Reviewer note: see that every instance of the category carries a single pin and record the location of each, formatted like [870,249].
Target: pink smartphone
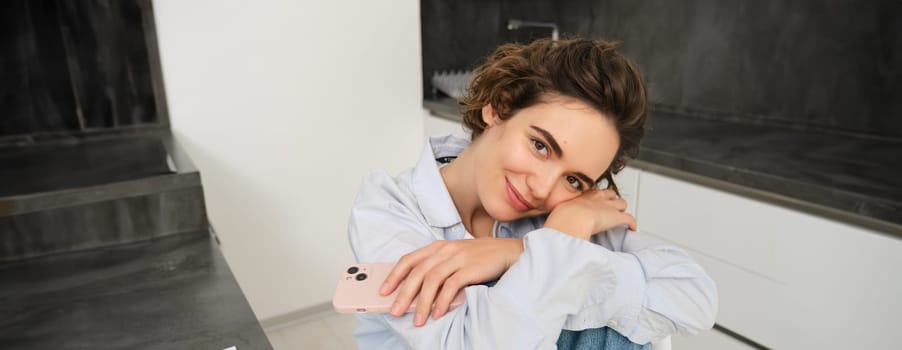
[358,290]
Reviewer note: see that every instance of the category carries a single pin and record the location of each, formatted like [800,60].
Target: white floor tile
[708,340]
[343,325]
[311,335]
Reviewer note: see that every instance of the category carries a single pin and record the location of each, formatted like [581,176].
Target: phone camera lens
[361,277]
[353,269]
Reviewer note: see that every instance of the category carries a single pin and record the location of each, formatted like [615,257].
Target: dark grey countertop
[169,293]
[849,178]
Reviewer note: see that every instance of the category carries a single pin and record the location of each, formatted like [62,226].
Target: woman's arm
[659,290]
[525,309]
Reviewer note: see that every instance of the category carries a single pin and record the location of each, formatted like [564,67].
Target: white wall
[434,126]
[284,106]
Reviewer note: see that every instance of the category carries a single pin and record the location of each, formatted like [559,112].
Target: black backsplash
[817,64]
[459,34]
[71,66]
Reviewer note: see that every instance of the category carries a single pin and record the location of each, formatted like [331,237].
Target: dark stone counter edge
[15,205]
[180,159]
[662,163]
[186,175]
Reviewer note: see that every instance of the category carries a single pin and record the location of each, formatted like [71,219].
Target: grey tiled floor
[327,331]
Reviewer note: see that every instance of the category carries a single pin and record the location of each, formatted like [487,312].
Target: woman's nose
[541,183]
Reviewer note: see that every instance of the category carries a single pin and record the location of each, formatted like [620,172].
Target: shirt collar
[427,184]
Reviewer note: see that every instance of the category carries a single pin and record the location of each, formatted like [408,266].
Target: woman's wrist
[516,249]
[575,227]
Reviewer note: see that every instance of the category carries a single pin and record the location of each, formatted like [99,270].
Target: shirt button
[456,229]
[612,323]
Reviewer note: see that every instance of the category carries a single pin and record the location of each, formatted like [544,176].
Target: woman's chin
[507,214]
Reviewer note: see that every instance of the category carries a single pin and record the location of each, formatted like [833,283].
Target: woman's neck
[459,177]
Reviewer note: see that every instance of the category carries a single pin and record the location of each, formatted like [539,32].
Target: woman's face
[541,156]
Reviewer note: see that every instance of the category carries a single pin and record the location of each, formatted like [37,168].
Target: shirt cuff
[622,306]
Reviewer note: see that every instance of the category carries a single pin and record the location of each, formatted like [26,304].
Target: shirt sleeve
[657,289]
[526,309]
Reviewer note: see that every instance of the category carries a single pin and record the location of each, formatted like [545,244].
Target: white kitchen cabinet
[627,182]
[786,279]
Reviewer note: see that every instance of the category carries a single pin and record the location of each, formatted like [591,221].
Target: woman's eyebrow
[585,178]
[551,141]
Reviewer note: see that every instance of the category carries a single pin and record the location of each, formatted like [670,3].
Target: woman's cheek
[525,160]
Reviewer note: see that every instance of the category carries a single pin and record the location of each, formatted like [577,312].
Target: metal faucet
[517,24]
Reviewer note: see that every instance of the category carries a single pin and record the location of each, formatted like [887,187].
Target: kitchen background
[812,64]
[283,107]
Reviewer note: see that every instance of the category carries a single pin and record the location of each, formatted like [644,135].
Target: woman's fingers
[410,287]
[629,220]
[434,280]
[609,194]
[434,275]
[612,200]
[404,266]
[618,203]
[450,289]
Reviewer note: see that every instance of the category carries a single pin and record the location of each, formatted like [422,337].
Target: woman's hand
[437,272]
[590,213]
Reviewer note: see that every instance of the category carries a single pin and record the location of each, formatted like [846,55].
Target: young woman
[551,122]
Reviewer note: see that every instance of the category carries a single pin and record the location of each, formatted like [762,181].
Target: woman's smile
[515,198]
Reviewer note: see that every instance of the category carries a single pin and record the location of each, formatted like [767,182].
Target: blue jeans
[596,338]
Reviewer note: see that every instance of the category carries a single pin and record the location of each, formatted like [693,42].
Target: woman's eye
[574,182]
[540,147]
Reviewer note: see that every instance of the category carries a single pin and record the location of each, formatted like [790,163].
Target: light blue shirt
[640,287]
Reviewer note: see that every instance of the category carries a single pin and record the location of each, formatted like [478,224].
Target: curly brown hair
[516,76]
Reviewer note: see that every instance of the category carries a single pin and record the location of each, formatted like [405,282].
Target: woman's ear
[489,116]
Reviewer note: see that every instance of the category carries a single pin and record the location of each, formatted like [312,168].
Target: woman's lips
[515,198]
